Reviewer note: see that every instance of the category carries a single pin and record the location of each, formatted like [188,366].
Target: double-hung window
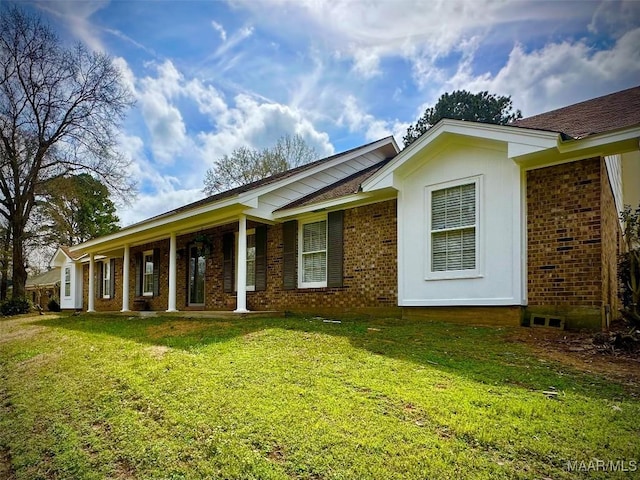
[453,230]
[67,281]
[313,254]
[106,279]
[147,273]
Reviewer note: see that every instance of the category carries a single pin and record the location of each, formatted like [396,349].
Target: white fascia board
[519,140]
[602,140]
[59,258]
[246,196]
[348,201]
[128,234]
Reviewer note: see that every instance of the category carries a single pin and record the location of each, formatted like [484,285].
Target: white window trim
[145,254]
[67,281]
[106,280]
[301,223]
[249,288]
[454,274]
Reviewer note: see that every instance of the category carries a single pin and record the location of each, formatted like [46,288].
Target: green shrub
[15,306]
[53,305]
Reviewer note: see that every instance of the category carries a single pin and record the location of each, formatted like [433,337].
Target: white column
[125,279]
[92,291]
[171,307]
[241,267]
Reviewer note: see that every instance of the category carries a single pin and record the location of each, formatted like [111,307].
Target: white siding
[497,278]
[74,301]
[614,171]
[285,195]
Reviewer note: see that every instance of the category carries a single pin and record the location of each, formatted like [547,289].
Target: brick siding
[572,241]
[370,270]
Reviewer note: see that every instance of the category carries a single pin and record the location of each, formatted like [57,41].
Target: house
[472,222]
[42,288]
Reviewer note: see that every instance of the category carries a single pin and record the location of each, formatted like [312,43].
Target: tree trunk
[5,260]
[19,268]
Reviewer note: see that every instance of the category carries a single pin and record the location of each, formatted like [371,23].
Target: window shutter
[289,254]
[261,258]
[100,279]
[156,272]
[228,245]
[138,258]
[112,268]
[335,249]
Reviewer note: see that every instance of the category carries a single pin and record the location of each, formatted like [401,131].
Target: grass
[89,397]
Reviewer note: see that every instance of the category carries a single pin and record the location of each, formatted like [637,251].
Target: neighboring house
[42,288]
[472,221]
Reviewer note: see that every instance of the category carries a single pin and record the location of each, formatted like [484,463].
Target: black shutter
[228,246]
[100,277]
[112,267]
[156,272]
[289,255]
[335,248]
[138,258]
[261,257]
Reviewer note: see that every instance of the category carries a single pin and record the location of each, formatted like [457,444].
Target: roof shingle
[591,117]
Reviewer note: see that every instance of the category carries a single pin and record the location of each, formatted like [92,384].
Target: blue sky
[209,77]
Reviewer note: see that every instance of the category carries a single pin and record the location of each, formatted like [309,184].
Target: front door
[196,275]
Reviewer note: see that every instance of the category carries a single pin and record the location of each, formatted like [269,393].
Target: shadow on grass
[481,354]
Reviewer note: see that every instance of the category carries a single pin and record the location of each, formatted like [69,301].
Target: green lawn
[116,397]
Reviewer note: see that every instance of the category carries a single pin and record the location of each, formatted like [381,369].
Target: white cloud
[220,29]
[558,74]
[356,119]
[76,16]
[258,125]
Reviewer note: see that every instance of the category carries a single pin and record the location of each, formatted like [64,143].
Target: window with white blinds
[453,228]
[314,254]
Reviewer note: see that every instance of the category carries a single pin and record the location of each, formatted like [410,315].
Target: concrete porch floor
[188,314]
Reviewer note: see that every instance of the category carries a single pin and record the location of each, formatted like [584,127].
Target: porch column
[171,307]
[125,279]
[92,291]
[241,267]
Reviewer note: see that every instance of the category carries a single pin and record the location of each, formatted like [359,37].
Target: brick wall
[370,270]
[611,243]
[370,267]
[571,241]
[114,303]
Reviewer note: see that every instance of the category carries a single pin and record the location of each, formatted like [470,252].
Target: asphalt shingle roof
[598,115]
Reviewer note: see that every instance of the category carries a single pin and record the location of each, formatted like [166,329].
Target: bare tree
[60,109]
[246,165]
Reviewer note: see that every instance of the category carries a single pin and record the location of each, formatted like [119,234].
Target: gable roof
[72,255]
[341,188]
[50,277]
[258,183]
[598,115]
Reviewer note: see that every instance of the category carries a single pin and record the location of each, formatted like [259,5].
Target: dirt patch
[158,351]
[579,351]
[176,328]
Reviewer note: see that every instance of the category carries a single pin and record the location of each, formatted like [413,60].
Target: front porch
[210,270]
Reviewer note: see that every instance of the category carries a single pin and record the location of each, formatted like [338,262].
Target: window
[313,254]
[453,229]
[67,281]
[197,265]
[106,279]
[251,260]
[147,273]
